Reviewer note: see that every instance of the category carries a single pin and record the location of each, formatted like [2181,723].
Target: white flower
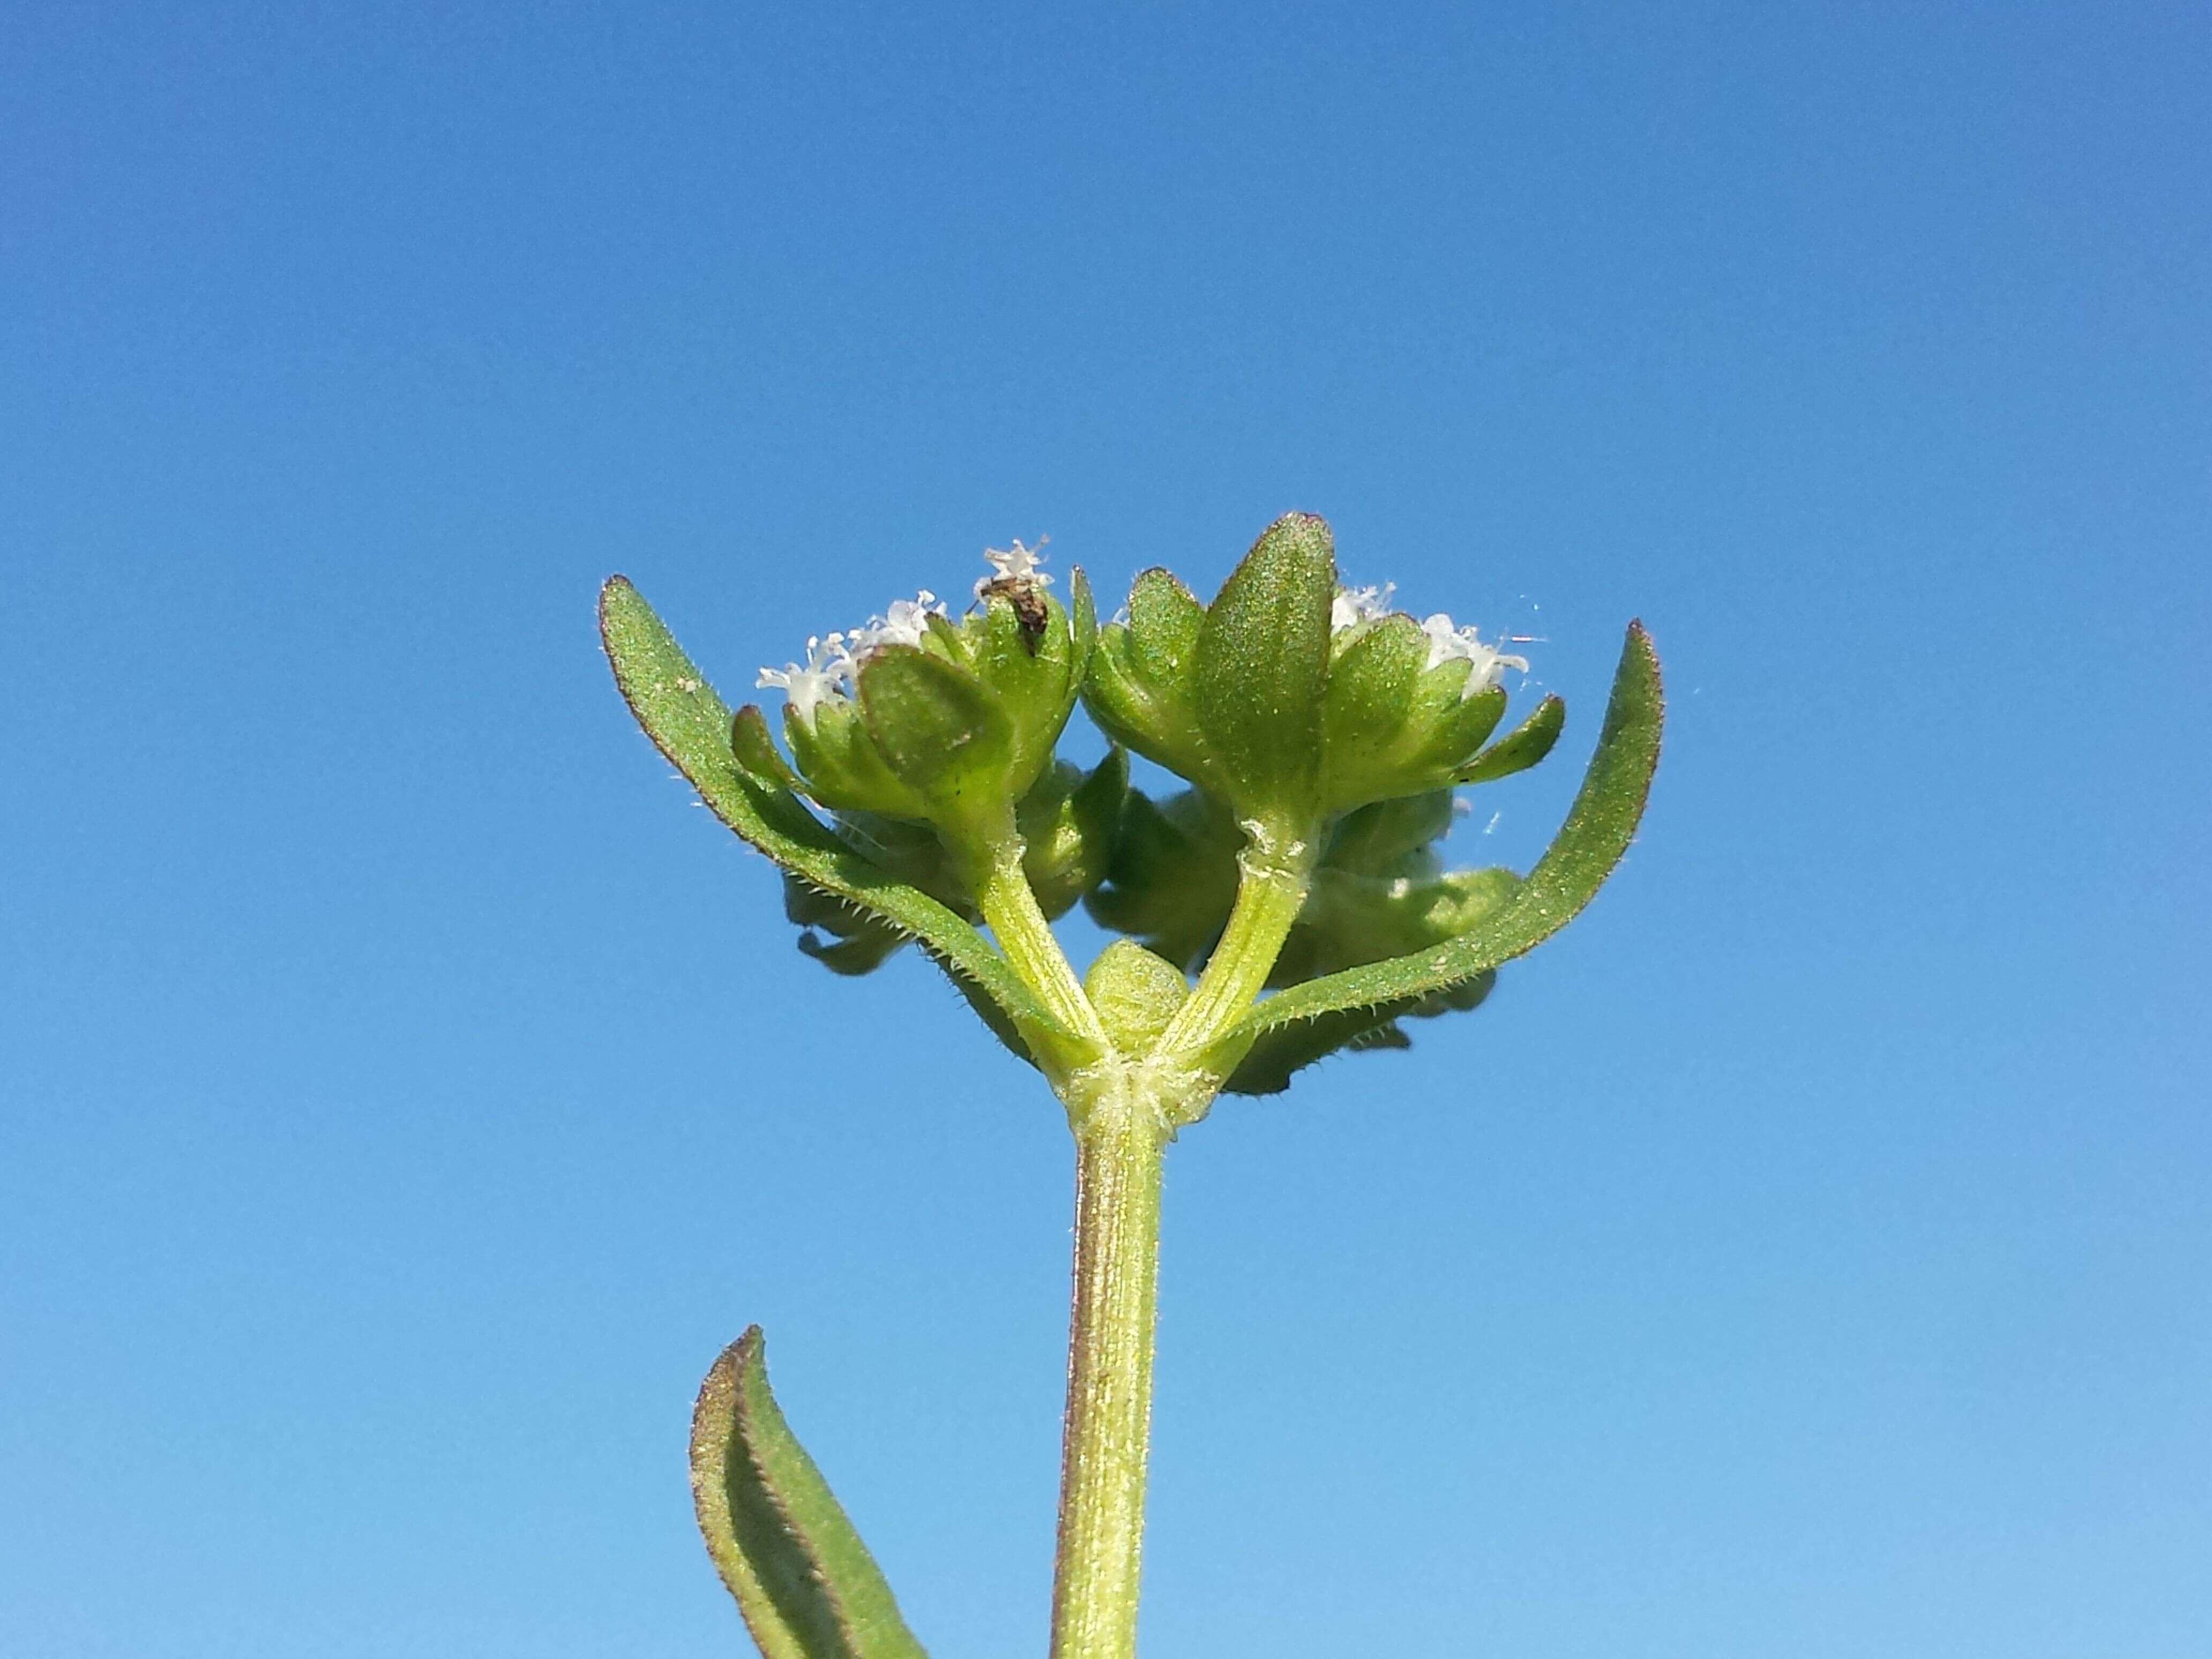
[1354,605]
[827,674]
[1446,642]
[907,622]
[1015,564]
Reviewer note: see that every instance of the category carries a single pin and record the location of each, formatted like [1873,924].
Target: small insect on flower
[1017,579]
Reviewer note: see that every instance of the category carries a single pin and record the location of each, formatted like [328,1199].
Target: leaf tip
[1639,641]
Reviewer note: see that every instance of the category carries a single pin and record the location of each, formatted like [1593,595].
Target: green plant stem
[1120,1141]
[1003,893]
[1122,1107]
[1268,898]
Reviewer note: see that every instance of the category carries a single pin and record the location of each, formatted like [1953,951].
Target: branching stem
[1123,1109]
[1011,907]
[1268,898]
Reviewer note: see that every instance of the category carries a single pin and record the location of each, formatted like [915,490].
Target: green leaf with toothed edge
[1598,829]
[689,724]
[804,1583]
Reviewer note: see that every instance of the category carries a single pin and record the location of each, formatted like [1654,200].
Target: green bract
[1291,902]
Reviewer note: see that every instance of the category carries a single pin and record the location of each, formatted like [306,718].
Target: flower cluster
[1294,699]
[832,662]
[1322,733]
[932,719]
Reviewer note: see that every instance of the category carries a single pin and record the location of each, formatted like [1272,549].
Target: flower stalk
[1010,907]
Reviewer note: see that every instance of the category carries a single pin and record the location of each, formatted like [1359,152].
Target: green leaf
[1598,829]
[857,942]
[1369,841]
[1450,734]
[843,769]
[1521,748]
[1068,823]
[1262,664]
[690,725]
[805,1583]
[1275,1053]
[1267,1067]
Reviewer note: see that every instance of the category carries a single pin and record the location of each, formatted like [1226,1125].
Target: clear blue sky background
[406,1090]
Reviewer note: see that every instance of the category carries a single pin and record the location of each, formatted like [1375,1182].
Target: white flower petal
[905,622]
[1448,643]
[826,676]
[1354,605]
[1015,563]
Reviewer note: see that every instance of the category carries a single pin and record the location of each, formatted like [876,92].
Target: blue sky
[404,1091]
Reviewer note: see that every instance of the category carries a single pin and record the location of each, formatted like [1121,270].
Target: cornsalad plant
[1290,903]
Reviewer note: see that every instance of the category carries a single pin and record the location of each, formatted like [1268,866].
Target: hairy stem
[1268,898]
[1011,907]
[1120,1141]
[1122,1108]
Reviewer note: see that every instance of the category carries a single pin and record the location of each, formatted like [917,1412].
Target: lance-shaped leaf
[1521,748]
[691,726]
[1589,844]
[803,1579]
